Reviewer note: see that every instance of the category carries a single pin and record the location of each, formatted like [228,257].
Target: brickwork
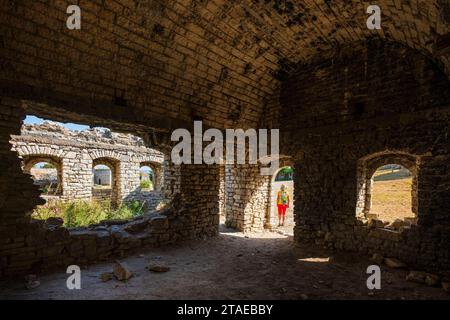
[247,197]
[158,63]
[378,104]
[77,153]
[189,209]
[340,94]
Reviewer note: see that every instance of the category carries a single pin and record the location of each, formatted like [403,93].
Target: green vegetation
[83,213]
[48,166]
[285,174]
[146,184]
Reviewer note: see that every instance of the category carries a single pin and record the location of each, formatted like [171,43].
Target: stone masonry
[75,154]
[344,97]
[190,211]
[379,103]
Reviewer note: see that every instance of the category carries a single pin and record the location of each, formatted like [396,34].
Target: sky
[70,126]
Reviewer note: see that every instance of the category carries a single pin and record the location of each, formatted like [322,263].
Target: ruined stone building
[347,100]
[75,154]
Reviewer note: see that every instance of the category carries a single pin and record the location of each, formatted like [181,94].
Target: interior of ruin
[347,101]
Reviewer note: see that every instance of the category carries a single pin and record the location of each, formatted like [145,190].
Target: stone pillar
[171,179]
[77,175]
[199,189]
[129,178]
[247,195]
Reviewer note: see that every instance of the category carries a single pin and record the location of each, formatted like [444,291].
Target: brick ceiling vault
[163,60]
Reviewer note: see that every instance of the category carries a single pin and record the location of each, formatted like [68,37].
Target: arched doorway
[146,178]
[387,187]
[282,179]
[46,172]
[105,176]
[150,176]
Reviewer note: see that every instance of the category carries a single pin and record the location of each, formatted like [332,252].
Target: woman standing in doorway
[282,204]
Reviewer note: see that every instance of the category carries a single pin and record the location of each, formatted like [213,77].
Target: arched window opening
[102,176]
[105,175]
[284,174]
[46,173]
[387,190]
[150,176]
[147,178]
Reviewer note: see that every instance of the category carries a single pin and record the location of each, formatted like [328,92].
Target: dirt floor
[233,266]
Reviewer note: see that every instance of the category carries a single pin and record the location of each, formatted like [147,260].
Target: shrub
[146,184]
[82,213]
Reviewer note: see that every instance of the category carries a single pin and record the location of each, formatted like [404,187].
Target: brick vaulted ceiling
[155,61]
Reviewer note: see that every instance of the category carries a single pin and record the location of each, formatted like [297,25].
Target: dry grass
[391,196]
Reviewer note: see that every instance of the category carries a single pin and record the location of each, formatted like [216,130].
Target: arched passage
[46,172]
[106,180]
[379,196]
[152,172]
[282,190]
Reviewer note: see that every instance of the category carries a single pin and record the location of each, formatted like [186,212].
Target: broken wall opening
[43,245]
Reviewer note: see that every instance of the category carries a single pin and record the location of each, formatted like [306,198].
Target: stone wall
[101,194]
[27,245]
[370,100]
[250,198]
[247,197]
[223,59]
[75,154]
[225,62]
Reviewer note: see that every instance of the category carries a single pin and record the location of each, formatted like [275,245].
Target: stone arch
[157,173]
[114,193]
[31,149]
[29,161]
[366,169]
[105,154]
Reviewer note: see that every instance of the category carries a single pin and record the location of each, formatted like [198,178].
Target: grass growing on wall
[83,213]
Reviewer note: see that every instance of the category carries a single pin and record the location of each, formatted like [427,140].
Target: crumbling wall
[27,245]
[80,152]
[370,99]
